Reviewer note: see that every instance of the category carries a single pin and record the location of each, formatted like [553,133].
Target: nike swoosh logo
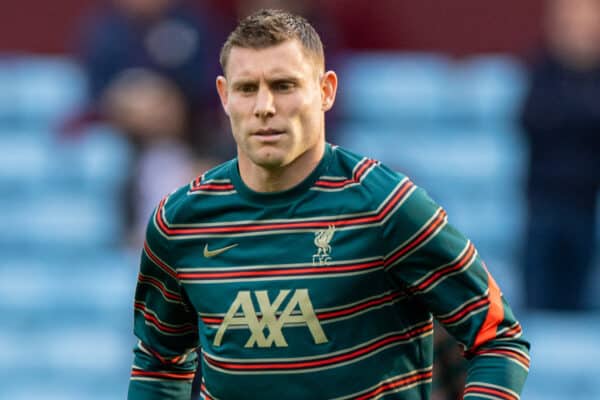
[213,253]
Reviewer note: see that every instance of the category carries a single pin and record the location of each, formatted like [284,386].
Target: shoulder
[184,206]
[370,173]
[390,187]
[189,202]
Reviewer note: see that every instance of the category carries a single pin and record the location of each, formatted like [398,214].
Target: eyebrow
[288,78]
[250,81]
[244,81]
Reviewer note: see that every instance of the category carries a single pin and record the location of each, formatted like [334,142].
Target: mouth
[267,135]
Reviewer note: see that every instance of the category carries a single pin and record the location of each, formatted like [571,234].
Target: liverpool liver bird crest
[322,240]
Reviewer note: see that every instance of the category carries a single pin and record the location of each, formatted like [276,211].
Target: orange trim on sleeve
[494,317]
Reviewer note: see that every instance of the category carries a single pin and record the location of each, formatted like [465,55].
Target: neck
[262,179]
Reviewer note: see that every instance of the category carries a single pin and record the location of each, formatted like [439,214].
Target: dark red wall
[456,26]
[39,26]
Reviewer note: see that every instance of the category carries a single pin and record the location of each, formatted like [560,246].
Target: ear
[329,83]
[222,91]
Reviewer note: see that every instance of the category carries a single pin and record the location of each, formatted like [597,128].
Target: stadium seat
[72,315]
[564,356]
[63,194]
[96,162]
[487,89]
[44,90]
[393,86]
[7,94]
[23,158]
[55,220]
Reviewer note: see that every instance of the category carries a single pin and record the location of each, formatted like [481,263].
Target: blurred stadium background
[431,89]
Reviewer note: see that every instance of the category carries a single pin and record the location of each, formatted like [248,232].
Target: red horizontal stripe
[395,385]
[464,311]
[158,262]
[390,205]
[437,221]
[339,184]
[151,318]
[212,320]
[163,360]
[280,272]
[512,332]
[508,353]
[155,354]
[213,186]
[402,191]
[450,268]
[204,392]
[323,362]
[358,307]
[159,285]
[169,375]
[494,392]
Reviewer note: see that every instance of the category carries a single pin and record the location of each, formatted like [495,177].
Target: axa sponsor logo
[266,331]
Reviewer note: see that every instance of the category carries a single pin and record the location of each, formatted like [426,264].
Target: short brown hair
[266,28]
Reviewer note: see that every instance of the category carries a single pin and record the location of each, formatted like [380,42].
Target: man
[561,120]
[302,270]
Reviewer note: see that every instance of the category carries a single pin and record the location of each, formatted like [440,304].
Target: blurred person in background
[152,112]
[149,64]
[561,117]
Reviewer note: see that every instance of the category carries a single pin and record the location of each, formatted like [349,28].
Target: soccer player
[302,270]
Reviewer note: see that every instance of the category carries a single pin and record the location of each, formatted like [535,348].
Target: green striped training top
[324,291]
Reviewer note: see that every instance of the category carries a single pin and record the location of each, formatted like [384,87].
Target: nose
[265,103]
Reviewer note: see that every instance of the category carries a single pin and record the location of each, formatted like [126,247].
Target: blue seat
[69,363]
[23,164]
[487,89]
[7,94]
[63,193]
[393,86]
[73,313]
[564,355]
[65,294]
[54,220]
[45,89]
[72,283]
[97,162]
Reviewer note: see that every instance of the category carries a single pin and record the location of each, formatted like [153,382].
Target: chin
[268,159]
[270,162]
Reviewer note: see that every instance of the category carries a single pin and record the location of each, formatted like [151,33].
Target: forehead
[286,58]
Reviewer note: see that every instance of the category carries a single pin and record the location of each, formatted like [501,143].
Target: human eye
[284,86]
[246,88]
